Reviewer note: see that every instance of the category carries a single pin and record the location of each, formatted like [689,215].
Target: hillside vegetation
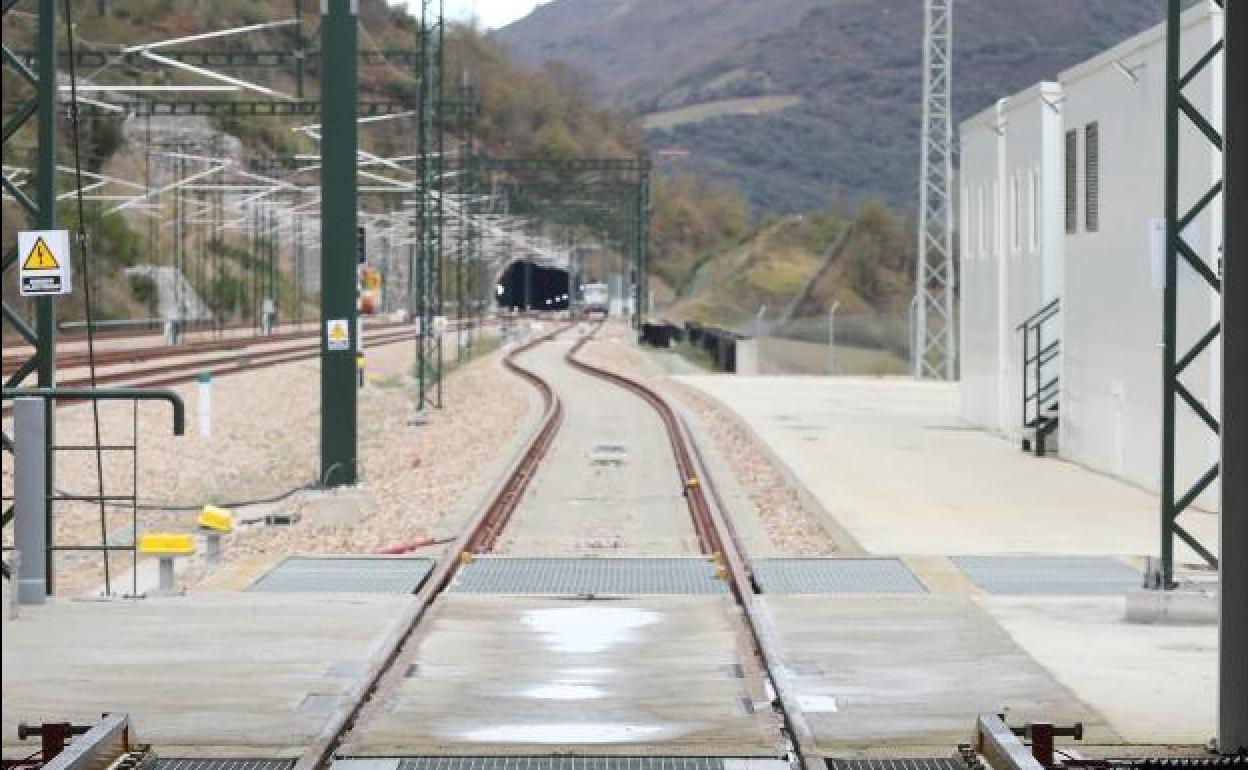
[547,111]
[855,65]
[792,270]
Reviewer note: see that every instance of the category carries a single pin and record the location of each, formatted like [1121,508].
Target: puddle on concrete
[817,704]
[568,732]
[565,691]
[588,629]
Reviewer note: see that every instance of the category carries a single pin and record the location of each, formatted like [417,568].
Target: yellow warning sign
[45,265]
[40,257]
[338,334]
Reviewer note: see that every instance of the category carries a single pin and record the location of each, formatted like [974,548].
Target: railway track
[715,535]
[163,366]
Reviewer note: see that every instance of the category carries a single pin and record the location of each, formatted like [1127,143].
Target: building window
[964,213]
[1016,215]
[1034,214]
[1072,182]
[1092,177]
[983,222]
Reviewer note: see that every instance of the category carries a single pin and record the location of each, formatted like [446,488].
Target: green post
[338,232]
[643,238]
[46,219]
[1165,577]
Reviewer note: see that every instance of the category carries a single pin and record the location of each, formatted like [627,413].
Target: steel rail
[715,534]
[76,358]
[484,527]
[218,366]
[715,529]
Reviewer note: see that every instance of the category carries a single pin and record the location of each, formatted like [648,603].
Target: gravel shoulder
[792,528]
[264,443]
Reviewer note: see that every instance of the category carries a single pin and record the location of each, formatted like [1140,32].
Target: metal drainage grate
[921,763]
[1049,575]
[299,574]
[835,576]
[163,763]
[560,763]
[495,575]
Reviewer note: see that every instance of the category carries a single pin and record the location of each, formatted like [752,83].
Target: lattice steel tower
[935,349]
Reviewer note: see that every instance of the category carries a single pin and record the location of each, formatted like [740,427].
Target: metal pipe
[30,500]
[1233,626]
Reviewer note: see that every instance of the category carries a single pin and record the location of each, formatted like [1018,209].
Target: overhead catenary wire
[80,239]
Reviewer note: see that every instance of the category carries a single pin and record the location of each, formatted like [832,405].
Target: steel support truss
[39,110]
[1178,496]
[935,349]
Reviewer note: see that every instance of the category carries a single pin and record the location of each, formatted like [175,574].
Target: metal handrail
[107,394]
[1048,311]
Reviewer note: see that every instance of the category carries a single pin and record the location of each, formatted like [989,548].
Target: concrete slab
[1153,684]
[886,671]
[891,462]
[608,485]
[207,674]
[540,675]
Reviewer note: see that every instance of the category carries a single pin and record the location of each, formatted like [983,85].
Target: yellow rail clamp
[692,483]
[216,519]
[466,557]
[166,544]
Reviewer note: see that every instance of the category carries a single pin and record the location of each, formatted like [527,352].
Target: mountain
[804,102]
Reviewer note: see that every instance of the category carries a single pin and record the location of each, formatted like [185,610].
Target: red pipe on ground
[407,546]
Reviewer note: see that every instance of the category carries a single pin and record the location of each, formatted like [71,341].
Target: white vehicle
[594,299]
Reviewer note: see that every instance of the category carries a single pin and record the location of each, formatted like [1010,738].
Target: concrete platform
[539,675]
[892,463]
[208,674]
[892,672]
[608,485]
[1153,684]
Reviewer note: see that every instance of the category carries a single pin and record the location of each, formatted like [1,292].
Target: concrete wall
[1108,276]
[1113,290]
[981,361]
[1012,246]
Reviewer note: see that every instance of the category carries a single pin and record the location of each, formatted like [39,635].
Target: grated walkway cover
[922,763]
[835,576]
[302,574]
[582,763]
[161,763]
[1049,575]
[498,575]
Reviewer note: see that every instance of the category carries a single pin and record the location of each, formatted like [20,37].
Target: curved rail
[717,536]
[482,530]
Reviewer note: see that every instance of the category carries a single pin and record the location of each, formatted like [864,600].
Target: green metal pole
[45,201]
[1170,301]
[1233,626]
[440,84]
[339,145]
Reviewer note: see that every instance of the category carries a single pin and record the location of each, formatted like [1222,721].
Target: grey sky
[492,13]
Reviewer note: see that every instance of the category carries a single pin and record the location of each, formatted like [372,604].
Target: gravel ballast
[793,528]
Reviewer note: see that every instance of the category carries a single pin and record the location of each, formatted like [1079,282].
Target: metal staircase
[1042,381]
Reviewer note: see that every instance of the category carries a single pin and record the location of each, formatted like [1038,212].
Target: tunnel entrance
[528,286]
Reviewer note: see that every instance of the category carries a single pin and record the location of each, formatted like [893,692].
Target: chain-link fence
[830,343]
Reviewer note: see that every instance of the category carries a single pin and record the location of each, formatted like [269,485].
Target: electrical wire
[80,237]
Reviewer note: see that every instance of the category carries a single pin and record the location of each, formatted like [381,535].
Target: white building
[1062,187]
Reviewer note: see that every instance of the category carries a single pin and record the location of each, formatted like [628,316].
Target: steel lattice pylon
[1179,356]
[935,350]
